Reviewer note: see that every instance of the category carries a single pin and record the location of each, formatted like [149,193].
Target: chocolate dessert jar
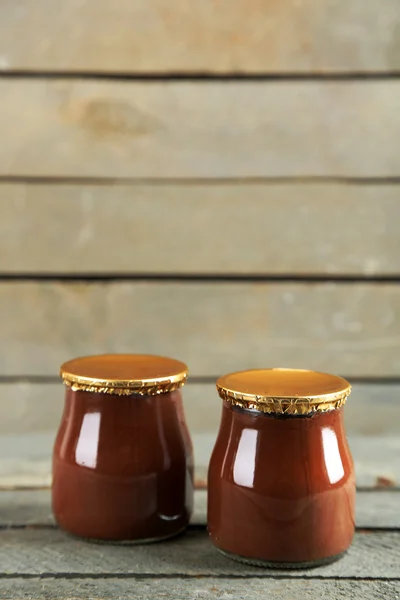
[281,484]
[122,461]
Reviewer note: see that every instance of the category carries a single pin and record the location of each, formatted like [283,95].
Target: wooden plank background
[153,36]
[51,552]
[219,182]
[215,181]
[200,228]
[199,129]
[193,589]
[214,326]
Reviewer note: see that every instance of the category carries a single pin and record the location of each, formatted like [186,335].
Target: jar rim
[284,390]
[124,374]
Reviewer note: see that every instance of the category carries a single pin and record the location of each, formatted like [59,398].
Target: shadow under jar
[281,484]
[123,460]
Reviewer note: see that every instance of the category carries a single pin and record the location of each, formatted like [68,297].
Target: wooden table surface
[37,560]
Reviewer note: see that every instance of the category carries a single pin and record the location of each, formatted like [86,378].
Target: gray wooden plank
[25,507]
[325,228]
[154,36]
[199,129]
[377,463]
[18,508]
[25,407]
[197,589]
[214,327]
[25,459]
[49,551]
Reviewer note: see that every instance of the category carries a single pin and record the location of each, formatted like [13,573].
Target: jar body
[281,489]
[122,467]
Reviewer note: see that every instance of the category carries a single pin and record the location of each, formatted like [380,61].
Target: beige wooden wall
[216,181]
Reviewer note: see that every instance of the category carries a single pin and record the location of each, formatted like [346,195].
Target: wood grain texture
[218,37]
[26,459]
[200,228]
[32,508]
[373,409]
[49,551]
[196,589]
[213,327]
[196,130]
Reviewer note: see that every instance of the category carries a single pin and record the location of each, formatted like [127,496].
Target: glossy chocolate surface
[281,489]
[122,467]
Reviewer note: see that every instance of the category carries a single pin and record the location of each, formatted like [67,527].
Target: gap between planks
[202,76]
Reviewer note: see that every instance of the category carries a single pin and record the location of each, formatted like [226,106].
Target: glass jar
[123,460]
[281,484]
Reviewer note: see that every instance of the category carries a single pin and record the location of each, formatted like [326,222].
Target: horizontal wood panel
[26,552]
[19,508]
[234,227]
[26,459]
[373,409]
[196,589]
[214,327]
[218,37]
[73,128]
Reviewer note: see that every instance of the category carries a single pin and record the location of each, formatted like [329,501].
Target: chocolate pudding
[281,482]
[122,462]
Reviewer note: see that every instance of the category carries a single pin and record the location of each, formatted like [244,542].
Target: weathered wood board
[32,508]
[49,551]
[214,327]
[83,128]
[249,588]
[150,36]
[373,409]
[201,228]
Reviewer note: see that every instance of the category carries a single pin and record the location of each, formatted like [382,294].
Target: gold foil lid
[284,391]
[124,374]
